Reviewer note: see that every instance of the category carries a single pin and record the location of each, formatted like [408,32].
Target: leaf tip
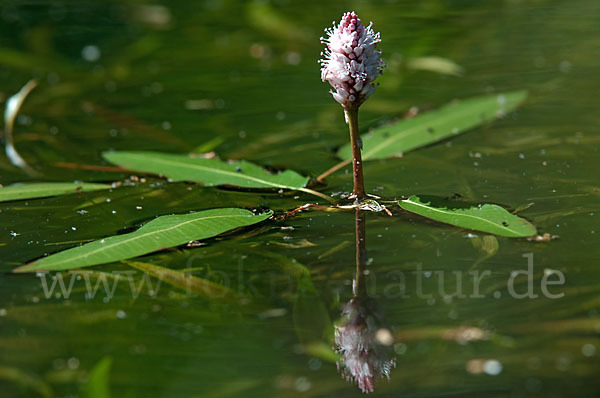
[24,268]
[106,154]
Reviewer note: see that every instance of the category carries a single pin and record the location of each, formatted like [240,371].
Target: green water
[241,78]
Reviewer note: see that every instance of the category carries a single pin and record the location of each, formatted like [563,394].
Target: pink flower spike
[351,62]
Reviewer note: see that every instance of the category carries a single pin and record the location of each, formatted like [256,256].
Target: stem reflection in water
[361,339]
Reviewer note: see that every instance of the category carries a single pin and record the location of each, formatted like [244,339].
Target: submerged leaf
[160,233]
[265,17]
[487,245]
[427,128]
[210,172]
[322,350]
[97,385]
[304,243]
[488,218]
[311,318]
[440,65]
[45,189]
[191,284]
[27,382]
[309,313]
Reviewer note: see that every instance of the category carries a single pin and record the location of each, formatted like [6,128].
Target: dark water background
[241,78]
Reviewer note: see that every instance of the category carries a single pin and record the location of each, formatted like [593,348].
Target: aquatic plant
[351,63]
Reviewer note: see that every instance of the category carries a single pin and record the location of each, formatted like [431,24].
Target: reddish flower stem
[355,142]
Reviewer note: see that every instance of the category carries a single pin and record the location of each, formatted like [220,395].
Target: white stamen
[351,62]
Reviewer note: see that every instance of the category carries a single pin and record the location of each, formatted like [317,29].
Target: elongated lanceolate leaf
[98,383]
[488,218]
[210,172]
[160,233]
[45,189]
[427,128]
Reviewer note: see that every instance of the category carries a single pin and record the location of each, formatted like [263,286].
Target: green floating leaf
[427,128]
[160,233]
[45,189]
[97,385]
[488,218]
[210,172]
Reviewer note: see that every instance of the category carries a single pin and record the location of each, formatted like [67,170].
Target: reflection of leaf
[199,286]
[210,172]
[488,218]
[160,233]
[430,127]
[97,385]
[45,189]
